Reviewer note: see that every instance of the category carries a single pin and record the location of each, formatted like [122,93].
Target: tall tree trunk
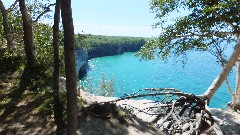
[223,75]
[69,53]
[58,106]
[29,45]
[7,30]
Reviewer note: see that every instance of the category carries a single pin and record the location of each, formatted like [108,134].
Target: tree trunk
[226,81]
[29,45]
[236,99]
[58,106]
[237,89]
[7,30]
[223,75]
[70,69]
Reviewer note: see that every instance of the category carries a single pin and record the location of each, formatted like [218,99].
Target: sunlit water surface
[131,74]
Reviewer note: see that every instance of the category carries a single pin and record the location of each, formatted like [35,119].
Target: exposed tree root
[234,106]
[176,112]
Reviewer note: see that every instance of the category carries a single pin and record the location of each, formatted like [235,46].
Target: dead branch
[190,96]
[47,9]
[183,113]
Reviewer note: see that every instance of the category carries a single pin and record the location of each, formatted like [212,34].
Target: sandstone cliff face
[112,50]
[81,62]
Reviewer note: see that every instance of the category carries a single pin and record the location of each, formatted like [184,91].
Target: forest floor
[24,112]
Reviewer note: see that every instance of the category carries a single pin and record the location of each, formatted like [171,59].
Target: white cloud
[113,30]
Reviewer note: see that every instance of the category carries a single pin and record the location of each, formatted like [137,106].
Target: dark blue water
[130,74]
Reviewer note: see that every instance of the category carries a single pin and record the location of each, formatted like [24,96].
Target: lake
[131,74]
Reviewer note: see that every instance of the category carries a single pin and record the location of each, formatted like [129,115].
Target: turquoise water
[130,74]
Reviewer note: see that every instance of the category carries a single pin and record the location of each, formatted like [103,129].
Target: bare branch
[160,123]
[160,93]
[11,8]
[161,89]
[47,9]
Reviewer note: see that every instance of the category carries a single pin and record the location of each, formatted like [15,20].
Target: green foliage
[43,40]
[9,61]
[203,24]
[42,32]
[91,41]
[35,78]
[15,24]
[37,7]
[80,42]
[44,43]
[105,87]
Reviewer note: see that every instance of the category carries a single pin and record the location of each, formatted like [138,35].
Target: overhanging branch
[47,9]
[219,34]
[235,31]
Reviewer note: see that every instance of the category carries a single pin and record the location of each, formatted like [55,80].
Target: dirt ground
[22,120]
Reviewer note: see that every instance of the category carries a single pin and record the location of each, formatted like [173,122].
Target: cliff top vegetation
[90,41]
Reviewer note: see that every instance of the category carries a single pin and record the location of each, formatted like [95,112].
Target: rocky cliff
[110,50]
[82,56]
[81,62]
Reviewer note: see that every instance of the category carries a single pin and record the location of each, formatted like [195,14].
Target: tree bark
[58,106]
[222,65]
[223,75]
[237,89]
[7,30]
[236,99]
[29,45]
[70,70]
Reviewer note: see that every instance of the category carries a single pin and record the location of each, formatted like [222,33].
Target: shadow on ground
[107,120]
[19,103]
[231,121]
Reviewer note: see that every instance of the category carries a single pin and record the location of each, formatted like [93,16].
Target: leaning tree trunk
[237,89]
[29,45]
[7,30]
[69,53]
[223,75]
[236,101]
[58,106]
[226,81]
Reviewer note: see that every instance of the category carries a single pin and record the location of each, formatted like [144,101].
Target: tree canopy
[201,24]
[91,41]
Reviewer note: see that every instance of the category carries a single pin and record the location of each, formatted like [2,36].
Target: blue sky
[112,17]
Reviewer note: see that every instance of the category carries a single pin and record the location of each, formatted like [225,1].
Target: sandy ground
[26,123]
[98,126]
[231,120]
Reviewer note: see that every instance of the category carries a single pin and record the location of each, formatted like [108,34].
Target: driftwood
[176,112]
